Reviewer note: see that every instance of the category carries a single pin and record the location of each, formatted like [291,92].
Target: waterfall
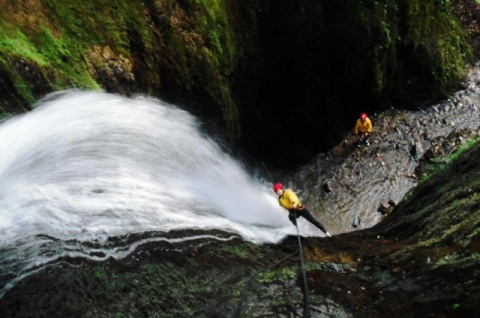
[86,166]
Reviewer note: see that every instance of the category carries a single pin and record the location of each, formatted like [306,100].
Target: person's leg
[309,217]
[293,216]
[365,138]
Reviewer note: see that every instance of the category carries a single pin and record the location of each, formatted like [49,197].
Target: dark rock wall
[322,62]
[284,80]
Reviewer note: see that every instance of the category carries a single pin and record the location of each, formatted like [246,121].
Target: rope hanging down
[306,309]
[306,305]
[250,280]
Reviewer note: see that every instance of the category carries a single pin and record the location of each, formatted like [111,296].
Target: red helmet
[277,186]
[363,115]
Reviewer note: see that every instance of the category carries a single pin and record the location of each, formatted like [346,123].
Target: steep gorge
[420,262]
[256,69]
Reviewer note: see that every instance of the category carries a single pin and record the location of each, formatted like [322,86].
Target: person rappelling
[289,200]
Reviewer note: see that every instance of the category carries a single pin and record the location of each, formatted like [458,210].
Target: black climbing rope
[306,310]
[306,305]
[250,280]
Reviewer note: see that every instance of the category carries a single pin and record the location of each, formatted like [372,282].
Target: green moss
[468,145]
[438,164]
[100,22]
[434,26]
[458,260]
[279,275]
[58,43]
[246,251]
[23,88]
[159,283]
[57,58]
[193,47]
[65,60]
[443,214]
[13,42]
[100,272]
[430,27]
[213,19]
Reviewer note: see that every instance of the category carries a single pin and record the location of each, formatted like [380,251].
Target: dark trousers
[295,214]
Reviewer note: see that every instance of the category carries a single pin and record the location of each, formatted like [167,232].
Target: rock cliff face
[421,261]
[302,69]
[358,180]
[260,67]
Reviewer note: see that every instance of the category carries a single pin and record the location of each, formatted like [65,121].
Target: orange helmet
[363,115]
[277,187]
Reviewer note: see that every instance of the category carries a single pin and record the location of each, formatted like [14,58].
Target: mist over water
[86,166]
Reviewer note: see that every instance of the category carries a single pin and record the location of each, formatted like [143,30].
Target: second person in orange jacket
[363,127]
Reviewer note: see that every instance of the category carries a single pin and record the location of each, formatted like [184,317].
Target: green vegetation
[213,19]
[468,145]
[279,275]
[431,28]
[88,44]
[246,251]
[379,22]
[55,57]
[196,49]
[438,164]
[446,50]
[437,226]
[100,272]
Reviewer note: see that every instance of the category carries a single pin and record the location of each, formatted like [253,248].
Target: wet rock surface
[420,261]
[361,181]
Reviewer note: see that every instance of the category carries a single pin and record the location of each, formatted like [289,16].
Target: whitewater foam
[86,166]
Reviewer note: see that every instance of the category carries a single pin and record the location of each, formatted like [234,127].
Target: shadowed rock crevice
[258,69]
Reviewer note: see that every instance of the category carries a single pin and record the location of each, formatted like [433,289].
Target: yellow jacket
[287,199]
[363,126]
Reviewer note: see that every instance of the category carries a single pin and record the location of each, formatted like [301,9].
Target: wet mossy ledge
[251,66]
[420,261]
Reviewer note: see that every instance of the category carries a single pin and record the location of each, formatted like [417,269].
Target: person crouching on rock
[363,127]
[289,200]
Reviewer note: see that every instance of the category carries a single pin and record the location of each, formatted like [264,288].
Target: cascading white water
[86,166]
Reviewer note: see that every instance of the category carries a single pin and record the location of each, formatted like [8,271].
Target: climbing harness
[306,310]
